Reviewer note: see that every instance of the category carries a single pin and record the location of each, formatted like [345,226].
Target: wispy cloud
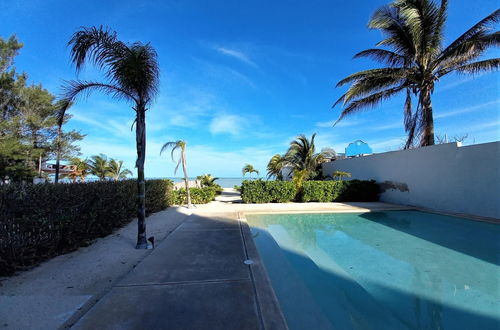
[236,54]
[227,124]
[459,111]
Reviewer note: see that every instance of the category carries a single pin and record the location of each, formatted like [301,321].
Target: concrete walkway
[197,277]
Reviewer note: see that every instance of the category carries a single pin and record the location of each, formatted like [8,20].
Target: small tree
[180,144]
[249,169]
[340,174]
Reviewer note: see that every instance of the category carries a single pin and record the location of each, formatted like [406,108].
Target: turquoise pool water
[382,270]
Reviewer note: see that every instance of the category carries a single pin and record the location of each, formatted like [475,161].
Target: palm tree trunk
[186,178]
[428,137]
[140,139]
[58,152]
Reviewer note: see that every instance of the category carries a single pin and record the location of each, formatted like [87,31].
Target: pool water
[382,270]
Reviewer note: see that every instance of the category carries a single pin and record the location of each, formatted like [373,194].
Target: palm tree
[98,165]
[115,170]
[132,74]
[341,174]
[207,180]
[180,144]
[415,60]
[81,169]
[302,156]
[249,169]
[275,166]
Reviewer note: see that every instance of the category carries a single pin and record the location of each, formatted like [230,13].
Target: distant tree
[116,170]
[302,156]
[275,166]
[98,165]
[132,73]
[341,174]
[249,169]
[180,144]
[415,60]
[207,180]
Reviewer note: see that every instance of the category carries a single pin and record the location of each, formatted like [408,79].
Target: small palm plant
[341,174]
[116,170]
[207,180]
[132,73]
[249,169]
[179,144]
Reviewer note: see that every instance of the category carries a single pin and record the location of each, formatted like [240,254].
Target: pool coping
[271,314]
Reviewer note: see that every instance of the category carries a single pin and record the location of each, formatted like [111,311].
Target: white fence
[447,177]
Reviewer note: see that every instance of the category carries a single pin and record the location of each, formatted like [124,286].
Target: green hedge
[260,191]
[340,191]
[41,221]
[198,195]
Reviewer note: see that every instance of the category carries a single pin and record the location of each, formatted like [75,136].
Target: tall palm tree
[415,60]
[180,144]
[132,74]
[116,170]
[98,165]
[302,156]
[249,169]
[275,166]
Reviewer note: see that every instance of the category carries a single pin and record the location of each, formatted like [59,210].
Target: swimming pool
[381,270]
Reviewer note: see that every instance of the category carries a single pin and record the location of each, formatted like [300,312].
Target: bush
[260,191]
[198,195]
[41,221]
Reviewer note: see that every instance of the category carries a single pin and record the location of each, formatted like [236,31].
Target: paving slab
[218,305]
[194,255]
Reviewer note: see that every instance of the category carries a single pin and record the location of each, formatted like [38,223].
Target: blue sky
[240,79]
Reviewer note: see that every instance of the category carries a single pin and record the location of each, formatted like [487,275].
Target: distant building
[358,148]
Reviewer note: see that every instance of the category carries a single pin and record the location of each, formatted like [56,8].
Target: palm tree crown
[248,168]
[415,59]
[275,166]
[116,170]
[98,165]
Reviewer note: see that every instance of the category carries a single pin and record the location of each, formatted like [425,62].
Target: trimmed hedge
[260,191]
[40,221]
[198,195]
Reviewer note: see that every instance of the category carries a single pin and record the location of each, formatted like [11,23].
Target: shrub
[260,191]
[41,221]
[359,191]
[198,195]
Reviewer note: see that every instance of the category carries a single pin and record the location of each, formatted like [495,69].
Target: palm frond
[382,55]
[480,66]
[74,88]
[368,101]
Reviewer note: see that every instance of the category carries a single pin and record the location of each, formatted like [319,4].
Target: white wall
[446,177]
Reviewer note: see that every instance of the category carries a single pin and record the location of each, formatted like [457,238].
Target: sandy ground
[46,296]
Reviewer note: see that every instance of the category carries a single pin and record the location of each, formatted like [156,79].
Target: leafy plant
[248,168]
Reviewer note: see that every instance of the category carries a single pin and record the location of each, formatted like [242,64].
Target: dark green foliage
[198,195]
[41,221]
[359,191]
[260,191]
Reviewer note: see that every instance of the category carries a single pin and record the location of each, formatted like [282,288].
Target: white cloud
[239,55]
[227,124]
